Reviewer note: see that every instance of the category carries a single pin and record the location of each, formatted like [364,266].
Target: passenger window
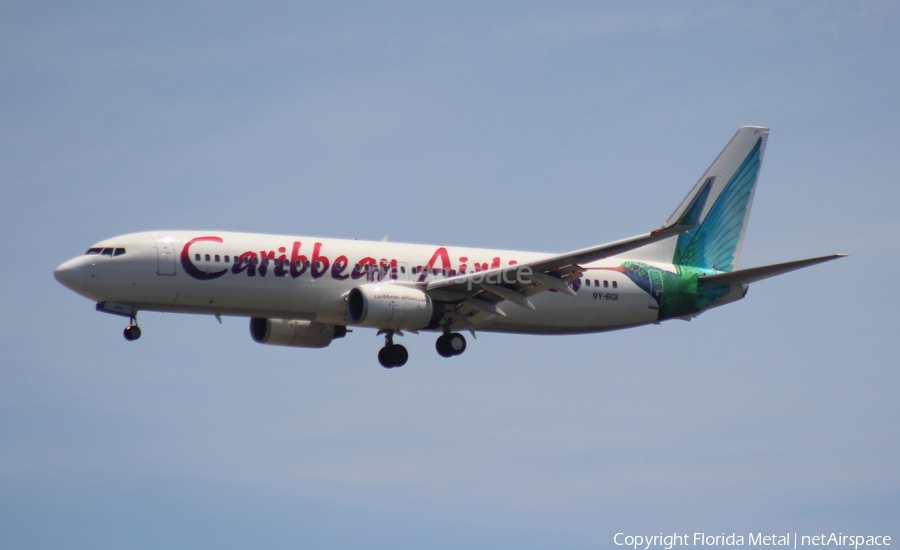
[217,258]
[119,252]
[588,281]
[615,284]
[207,257]
[227,259]
[605,284]
[107,252]
[197,257]
[596,282]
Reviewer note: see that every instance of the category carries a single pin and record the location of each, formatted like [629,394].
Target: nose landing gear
[392,355]
[132,331]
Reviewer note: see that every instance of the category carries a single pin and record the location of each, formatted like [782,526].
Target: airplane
[306,291]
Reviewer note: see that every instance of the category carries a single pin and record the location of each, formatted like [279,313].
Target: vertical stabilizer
[729,183]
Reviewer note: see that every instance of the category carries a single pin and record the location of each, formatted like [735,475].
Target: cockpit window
[105,251]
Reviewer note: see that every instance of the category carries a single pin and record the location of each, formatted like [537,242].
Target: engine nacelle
[389,306]
[294,332]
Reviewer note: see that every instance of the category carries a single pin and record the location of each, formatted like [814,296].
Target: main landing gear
[392,355]
[450,344]
[132,331]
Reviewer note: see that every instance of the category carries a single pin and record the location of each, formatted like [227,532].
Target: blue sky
[510,125]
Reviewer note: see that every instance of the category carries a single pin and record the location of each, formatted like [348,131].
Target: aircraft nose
[71,274]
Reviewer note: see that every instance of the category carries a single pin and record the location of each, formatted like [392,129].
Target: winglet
[692,211]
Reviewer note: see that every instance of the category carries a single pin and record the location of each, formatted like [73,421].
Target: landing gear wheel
[385,358]
[443,347]
[450,344]
[132,332]
[394,355]
[457,343]
[399,355]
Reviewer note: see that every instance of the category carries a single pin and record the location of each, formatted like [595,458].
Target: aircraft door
[165,254]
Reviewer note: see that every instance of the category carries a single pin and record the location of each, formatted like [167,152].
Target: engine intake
[389,306]
[294,332]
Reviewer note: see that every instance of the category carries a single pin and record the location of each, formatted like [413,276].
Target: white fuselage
[306,291]
[273,276]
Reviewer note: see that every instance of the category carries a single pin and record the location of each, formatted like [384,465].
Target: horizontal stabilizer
[759,273]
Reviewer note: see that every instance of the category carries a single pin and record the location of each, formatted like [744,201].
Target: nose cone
[71,274]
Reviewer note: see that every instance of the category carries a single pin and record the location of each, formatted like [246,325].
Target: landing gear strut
[450,344]
[392,355]
[132,331]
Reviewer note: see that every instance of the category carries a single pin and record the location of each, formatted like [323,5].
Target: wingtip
[833,257]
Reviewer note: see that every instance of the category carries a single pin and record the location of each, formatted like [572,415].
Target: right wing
[478,294]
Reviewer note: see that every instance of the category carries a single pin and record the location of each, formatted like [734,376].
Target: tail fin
[729,185]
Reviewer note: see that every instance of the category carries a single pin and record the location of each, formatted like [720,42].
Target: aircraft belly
[257,297]
[555,312]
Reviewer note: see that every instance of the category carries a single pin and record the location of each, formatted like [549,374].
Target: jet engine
[389,306]
[294,332]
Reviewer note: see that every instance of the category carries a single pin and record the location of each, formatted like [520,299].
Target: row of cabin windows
[255,261]
[364,268]
[605,283]
[368,267]
[217,258]
[105,251]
